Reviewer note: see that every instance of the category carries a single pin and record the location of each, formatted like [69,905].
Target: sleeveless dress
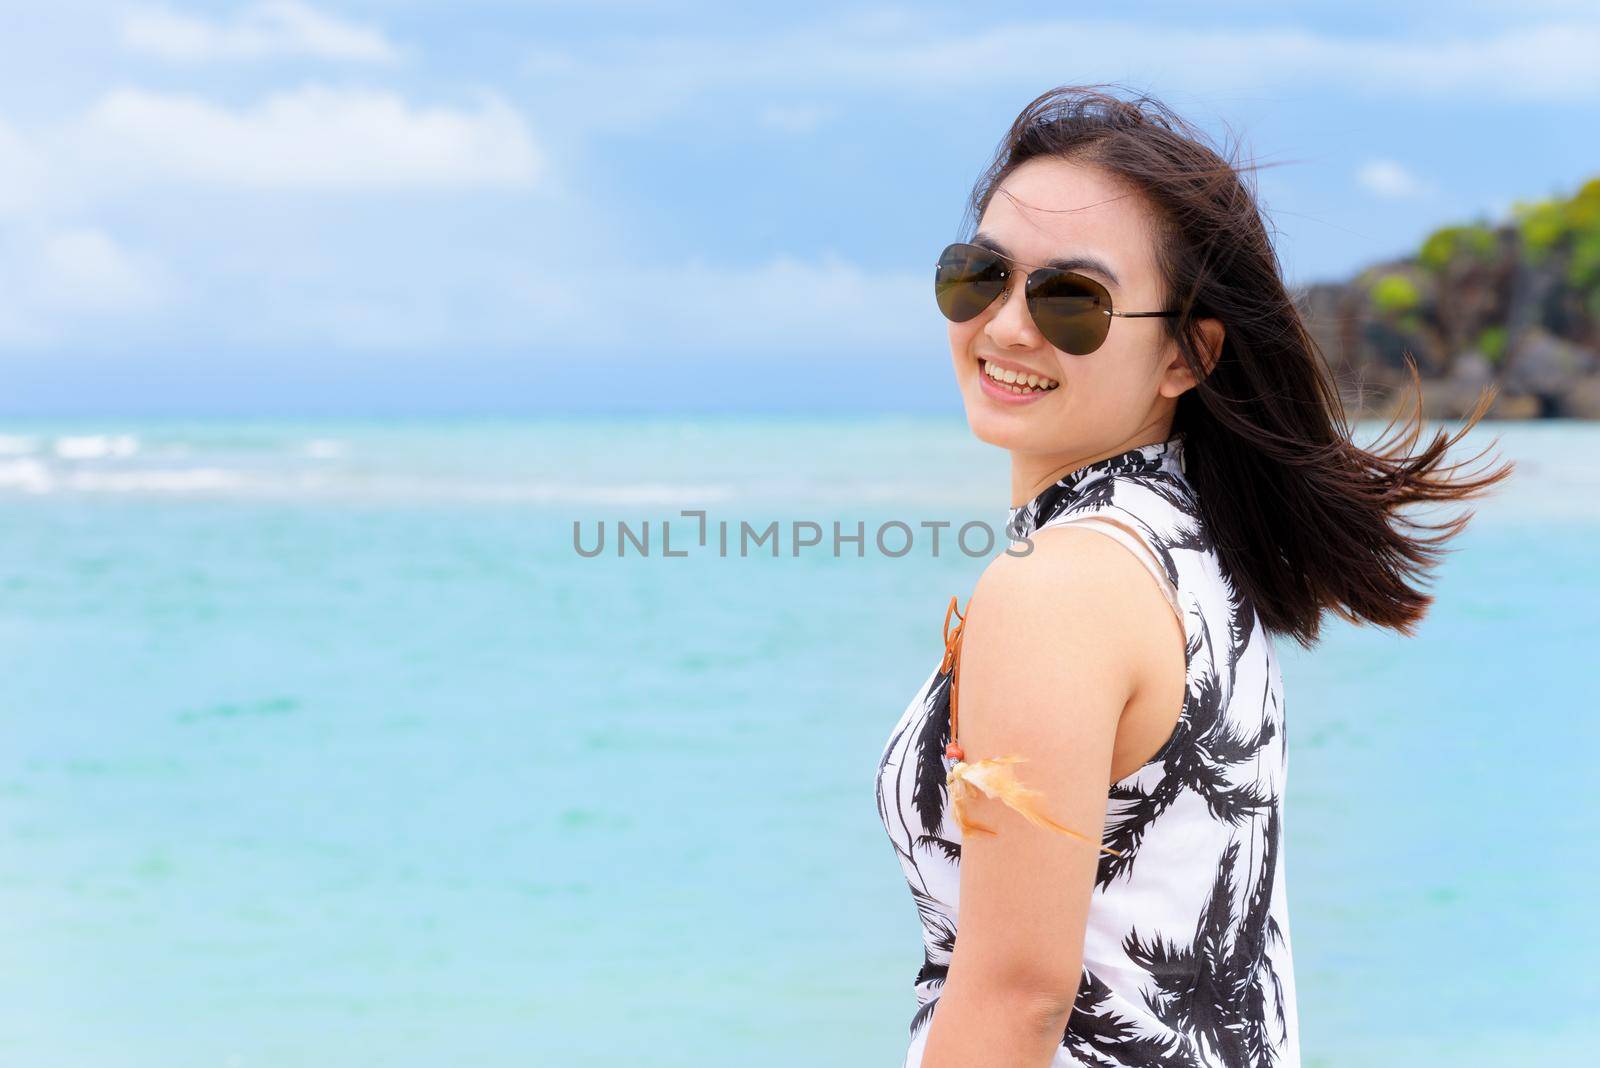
[1186,954]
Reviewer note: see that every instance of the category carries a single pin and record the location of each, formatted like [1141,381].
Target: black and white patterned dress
[1186,955]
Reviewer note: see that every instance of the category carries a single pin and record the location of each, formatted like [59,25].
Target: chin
[1003,430]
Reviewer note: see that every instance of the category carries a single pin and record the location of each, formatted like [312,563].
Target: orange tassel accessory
[993,777]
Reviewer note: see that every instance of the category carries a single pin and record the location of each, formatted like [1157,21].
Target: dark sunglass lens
[1069,310]
[968,280]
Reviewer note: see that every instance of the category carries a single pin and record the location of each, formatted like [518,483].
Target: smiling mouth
[1017,382]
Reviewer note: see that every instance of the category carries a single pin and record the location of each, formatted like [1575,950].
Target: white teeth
[1018,382]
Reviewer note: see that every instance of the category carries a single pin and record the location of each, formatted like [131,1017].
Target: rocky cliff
[1514,304]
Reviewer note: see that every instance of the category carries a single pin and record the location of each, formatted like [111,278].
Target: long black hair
[1304,519]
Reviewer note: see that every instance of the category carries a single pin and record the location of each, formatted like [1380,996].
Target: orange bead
[954,752]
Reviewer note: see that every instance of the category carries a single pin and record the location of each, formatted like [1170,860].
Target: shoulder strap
[952,664]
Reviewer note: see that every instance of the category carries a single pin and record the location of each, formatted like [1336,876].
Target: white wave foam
[639,493]
[324,449]
[180,480]
[654,493]
[96,446]
[29,476]
[36,476]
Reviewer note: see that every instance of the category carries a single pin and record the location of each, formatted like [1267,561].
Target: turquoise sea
[321,745]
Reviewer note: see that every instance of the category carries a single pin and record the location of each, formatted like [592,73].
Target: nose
[1010,325]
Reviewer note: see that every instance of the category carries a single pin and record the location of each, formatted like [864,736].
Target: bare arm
[1051,656]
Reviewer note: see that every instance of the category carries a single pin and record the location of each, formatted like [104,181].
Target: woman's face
[1049,209]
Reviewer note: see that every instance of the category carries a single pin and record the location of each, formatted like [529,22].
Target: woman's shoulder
[1057,644]
[1076,588]
[1068,551]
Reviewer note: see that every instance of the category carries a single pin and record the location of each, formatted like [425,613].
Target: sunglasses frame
[1036,278]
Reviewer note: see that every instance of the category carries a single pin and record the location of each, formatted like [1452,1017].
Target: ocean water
[321,744]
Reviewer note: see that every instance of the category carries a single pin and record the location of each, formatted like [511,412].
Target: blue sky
[356,206]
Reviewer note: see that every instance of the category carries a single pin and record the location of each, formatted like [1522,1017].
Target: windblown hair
[1304,519]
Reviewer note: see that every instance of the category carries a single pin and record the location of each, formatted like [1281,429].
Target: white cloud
[793,119]
[51,279]
[314,137]
[22,171]
[1548,60]
[83,270]
[785,304]
[1388,180]
[59,274]
[263,30]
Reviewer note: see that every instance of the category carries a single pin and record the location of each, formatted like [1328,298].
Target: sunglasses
[1071,310]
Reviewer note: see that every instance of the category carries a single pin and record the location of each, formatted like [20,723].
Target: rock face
[1514,306]
[1583,398]
[1549,364]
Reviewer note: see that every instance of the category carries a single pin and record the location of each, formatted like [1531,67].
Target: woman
[1186,489]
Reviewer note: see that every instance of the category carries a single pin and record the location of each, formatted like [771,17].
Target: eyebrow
[1065,263]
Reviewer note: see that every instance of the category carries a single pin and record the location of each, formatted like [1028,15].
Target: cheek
[962,337]
[1064,367]
[1088,380]
[1115,376]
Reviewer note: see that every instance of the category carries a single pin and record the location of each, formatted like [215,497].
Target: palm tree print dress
[1186,956]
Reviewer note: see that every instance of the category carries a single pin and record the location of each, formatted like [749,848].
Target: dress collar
[1163,456]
